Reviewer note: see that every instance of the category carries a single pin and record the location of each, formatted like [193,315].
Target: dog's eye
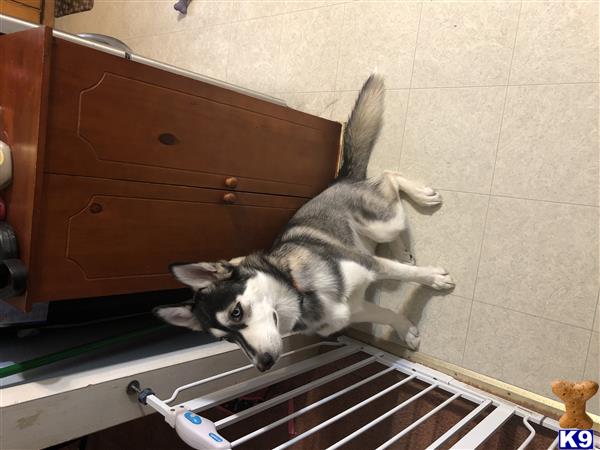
[236,313]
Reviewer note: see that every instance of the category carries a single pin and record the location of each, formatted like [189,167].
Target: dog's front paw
[412,338]
[426,196]
[438,278]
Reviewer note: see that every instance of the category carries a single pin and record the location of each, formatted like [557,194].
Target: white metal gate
[214,435]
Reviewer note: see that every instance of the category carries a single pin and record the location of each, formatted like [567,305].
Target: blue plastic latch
[195,419]
[216,437]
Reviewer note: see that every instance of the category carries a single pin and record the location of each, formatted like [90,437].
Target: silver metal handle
[106,40]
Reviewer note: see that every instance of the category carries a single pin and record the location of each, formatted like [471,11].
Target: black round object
[8,242]
[167,139]
[13,278]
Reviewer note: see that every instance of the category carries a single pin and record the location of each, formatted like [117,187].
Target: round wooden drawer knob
[231,182]
[167,139]
[229,198]
[96,208]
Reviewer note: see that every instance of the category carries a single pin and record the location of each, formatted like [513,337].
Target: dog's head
[236,302]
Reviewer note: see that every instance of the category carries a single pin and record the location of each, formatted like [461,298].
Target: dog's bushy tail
[362,129]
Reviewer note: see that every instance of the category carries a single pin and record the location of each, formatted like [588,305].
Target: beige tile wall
[494,103]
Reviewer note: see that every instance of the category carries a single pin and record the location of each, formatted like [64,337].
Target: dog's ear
[180,315]
[202,275]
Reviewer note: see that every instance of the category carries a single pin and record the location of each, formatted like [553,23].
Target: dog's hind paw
[412,338]
[407,257]
[426,196]
[406,331]
[439,279]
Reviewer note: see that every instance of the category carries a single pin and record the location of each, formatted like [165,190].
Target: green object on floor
[76,351]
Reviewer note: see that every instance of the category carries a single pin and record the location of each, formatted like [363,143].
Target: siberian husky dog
[313,279]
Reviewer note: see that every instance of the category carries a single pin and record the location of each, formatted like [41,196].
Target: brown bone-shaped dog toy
[574,396]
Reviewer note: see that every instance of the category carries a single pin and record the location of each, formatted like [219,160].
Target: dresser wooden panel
[107,116]
[109,237]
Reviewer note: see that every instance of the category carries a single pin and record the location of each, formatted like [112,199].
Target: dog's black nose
[265,361]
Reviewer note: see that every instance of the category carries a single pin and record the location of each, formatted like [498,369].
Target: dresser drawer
[106,237]
[111,119]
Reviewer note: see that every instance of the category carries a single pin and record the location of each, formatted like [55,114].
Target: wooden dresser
[121,168]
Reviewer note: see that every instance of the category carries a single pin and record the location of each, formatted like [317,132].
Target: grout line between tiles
[342,31]
[339,53]
[229,34]
[505,99]
[506,308]
[449,87]
[487,208]
[440,188]
[485,223]
[587,354]
[544,201]
[289,12]
[503,85]
[229,45]
[412,72]
[278,65]
[596,312]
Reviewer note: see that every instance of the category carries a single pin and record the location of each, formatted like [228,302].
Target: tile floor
[494,103]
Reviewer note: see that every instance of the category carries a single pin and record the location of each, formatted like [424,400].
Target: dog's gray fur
[314,277]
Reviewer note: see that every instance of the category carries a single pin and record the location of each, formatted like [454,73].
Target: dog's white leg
[436,277]
[382,231]
[422,195]
[356,278]
[370,312]
[338,318]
